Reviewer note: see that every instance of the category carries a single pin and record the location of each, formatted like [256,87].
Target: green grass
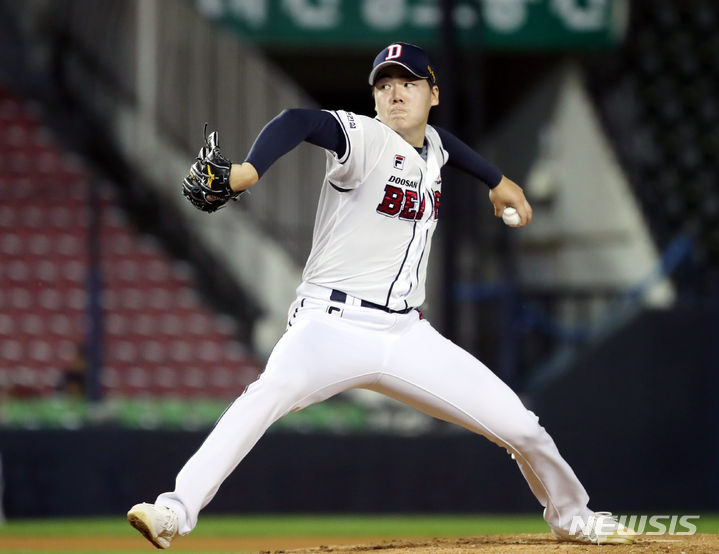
[315,525]
[297,526]
[372,525]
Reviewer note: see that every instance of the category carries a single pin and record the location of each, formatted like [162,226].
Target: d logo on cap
[394,51]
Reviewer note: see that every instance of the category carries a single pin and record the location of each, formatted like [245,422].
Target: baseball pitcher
[355,322]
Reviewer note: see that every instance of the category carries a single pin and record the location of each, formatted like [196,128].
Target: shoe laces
[169,521]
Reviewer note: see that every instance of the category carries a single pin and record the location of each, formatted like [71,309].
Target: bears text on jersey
[405,203]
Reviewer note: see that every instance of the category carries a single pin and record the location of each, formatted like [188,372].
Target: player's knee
[274,396]
[288,387]
[529,435]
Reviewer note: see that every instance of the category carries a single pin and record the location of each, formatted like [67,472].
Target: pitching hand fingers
[508,194]
[525,212]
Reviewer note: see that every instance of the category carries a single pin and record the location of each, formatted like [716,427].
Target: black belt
[339,296]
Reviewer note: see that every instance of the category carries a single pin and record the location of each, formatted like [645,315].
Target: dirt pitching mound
[535,543]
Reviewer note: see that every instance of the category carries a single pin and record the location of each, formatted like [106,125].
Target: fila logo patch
[398,161]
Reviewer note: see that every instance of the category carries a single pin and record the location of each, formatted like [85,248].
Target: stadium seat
[159,337]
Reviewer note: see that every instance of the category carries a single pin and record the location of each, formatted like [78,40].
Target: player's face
[402,101]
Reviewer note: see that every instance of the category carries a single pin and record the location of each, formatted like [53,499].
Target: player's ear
[435,96]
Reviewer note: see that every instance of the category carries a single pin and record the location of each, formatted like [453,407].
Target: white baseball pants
[331,347]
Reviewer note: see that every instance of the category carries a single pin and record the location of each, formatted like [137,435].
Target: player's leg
[315,359]
[431,373]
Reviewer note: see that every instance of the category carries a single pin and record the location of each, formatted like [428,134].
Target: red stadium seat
[158,336]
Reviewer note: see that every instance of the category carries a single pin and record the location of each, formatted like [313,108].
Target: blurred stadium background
[128,320]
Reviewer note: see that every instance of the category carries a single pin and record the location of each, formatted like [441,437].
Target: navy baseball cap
[411,57]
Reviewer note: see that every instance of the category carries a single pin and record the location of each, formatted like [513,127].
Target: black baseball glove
[207,186]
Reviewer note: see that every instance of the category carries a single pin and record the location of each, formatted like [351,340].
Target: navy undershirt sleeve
[463,157]
[290,128]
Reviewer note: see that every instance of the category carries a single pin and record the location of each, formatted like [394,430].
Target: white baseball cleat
[157,523]
[598,528]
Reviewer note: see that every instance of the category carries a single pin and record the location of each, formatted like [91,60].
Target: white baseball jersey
[376,215]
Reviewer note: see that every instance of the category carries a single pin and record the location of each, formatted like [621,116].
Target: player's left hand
[207,186]
[508,193]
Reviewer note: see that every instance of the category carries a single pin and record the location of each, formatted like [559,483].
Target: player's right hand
[508,193]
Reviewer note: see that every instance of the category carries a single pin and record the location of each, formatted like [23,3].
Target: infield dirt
[532,543]
[535,543]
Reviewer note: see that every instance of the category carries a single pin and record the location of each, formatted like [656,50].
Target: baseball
[511,217]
